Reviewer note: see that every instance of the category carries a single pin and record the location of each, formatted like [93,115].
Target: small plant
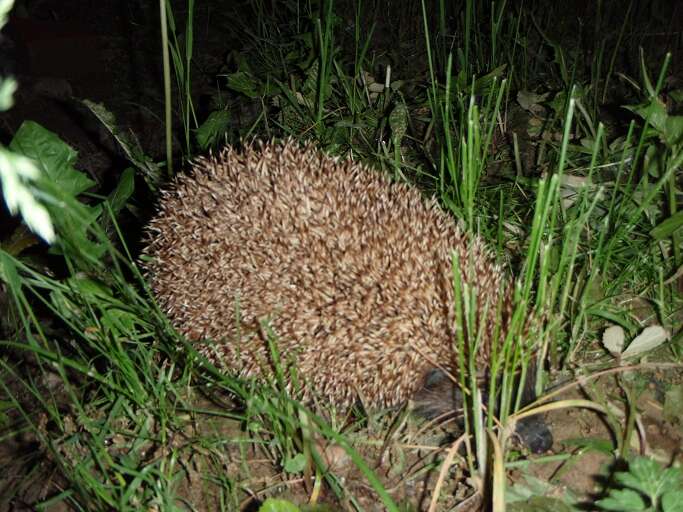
[646,487]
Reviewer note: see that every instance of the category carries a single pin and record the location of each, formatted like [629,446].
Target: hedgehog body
[351,271]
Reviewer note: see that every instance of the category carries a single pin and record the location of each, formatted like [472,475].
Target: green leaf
[671,479]
[672,501]
[531,486]
[654,162]
[349,123]
[61,183]
[128,143]
[625,500]
[119,322]
[531,101]
[8,272]
[644,475]
[89,289]
[667,227]
[74,223]
[66,308]
[244,83]
[214,127]
[124,189]
[296,464]
[483,84]
[615,318]
[52,155]
[653,112]
[648,476]
[673,130]
[275,505]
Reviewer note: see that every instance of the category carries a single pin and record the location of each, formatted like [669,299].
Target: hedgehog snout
[533,432]
[440,396]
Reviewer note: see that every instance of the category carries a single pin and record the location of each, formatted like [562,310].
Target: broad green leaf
[672,501]
[483,84]
[673,130]
[90,290]
[643,475]
[529,100]
[594,444]
[671,479]
[124,189]
[53,156]
[128,143]
[8,272]
[296,464]
[244,83]
[615,318]
[120,322]
[667,227]
[653,112]
[214,127]
[530,487]
[623,500]
[275,505]
[65,307]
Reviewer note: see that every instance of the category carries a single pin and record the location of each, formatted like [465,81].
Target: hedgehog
[351,271]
